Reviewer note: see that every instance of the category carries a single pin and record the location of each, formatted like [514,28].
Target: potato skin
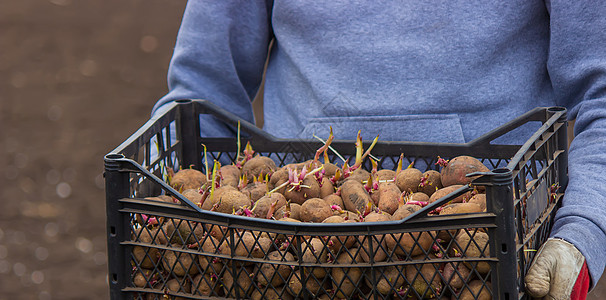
[389,195]
[277,178]
[458,167]
[334,199]
[460,208]
[390,279]
[209,263]
[408,180]
[258,165]
[386,174]
[206,285]
[295,286]
[275,275]
[338,241]
[244,279]
[230,175]
[418,283]
[315,210]
[179,262]
[447,190]
[231,200]
[367,240]
[187,179]
[293,210]
[454,279]
[479,199]
[314,251]
[430,182]
[312,190]
[263,205]
[346,279]
[326,188]
[478,291]
[255,190]
[477,248]
[355,197]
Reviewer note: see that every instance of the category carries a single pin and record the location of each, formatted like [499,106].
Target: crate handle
[125,163]
[536,114]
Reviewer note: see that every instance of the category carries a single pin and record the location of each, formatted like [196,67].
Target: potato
[430,182]
[456,279]
[179,262]
[230,175]
[338,242]
[254,191]
[310,188]
[479,199]
[346,280]
[187,179]
[460,208]
[264,204]
[348,215]
[192,195]
[477,248]
[258,165]
[244,278]
[210,202]
[476,291]
[447,190]
[334,199]
[290,210]
[275,274]
[315,210]
[183,232]
[330,170]
[210,263]
[143,277]
[389,279]
[379,247]
[410,243]
[418,196]
[295,285]
[315,251]
[278,178]
[405,211]
[179,285]
[408,180]
[358,175]
[206,285]
[326,188]
[271,293]
[424,278]
[389,196]
[458,167]
[247,245]
[355,197]
[230,201]
[146,257]
[386,174]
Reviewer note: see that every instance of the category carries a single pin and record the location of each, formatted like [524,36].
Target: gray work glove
[555,270]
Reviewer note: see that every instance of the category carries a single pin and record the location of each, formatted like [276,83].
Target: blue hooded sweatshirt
[435,71]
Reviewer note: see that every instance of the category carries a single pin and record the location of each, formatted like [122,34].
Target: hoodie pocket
[433,128]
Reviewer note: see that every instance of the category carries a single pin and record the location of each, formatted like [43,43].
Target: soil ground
[76,79]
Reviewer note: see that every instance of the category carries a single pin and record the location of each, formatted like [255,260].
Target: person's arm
[577,67]
[219,56]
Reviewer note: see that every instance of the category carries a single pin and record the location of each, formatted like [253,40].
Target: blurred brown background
[76,78]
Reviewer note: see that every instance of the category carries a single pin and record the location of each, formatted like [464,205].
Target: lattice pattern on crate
[192,259]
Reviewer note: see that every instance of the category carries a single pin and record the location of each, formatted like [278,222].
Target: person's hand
[558,272]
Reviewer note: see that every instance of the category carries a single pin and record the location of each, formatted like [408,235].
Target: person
[445,71]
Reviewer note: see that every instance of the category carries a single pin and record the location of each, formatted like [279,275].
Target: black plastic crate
[206,252]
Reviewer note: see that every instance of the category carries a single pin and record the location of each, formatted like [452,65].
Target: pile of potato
[191,258]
